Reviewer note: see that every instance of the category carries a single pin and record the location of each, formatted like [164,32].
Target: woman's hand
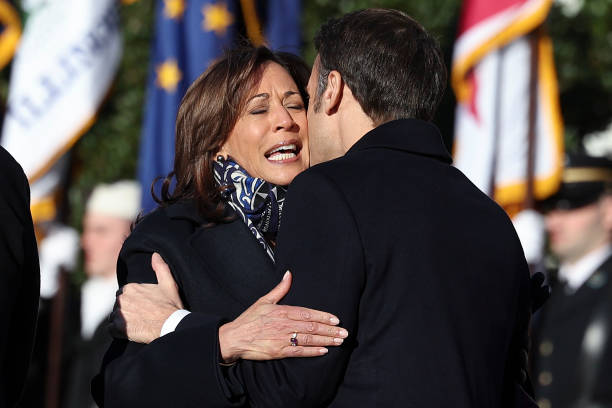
[264,331]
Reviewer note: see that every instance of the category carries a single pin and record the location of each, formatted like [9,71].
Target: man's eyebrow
[289,93]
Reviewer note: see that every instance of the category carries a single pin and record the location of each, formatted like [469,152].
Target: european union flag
[189,35]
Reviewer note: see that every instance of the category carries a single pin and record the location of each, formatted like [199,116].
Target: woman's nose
[283,119]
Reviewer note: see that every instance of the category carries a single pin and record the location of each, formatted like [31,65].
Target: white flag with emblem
[63,68]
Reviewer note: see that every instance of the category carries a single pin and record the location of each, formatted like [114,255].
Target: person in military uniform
[572,344]
[110,211]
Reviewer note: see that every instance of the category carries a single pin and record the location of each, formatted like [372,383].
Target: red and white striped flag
[499,108]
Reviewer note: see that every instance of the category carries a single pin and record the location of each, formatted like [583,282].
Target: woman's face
[270,138]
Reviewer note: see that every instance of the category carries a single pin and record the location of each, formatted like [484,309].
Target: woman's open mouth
[285,152]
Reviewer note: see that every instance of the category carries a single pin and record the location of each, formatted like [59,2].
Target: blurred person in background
[20,280]
[109,213]
[572,362]
[71,336]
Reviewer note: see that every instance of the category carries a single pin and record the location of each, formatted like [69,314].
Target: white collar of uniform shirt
[580,271]
[97,300]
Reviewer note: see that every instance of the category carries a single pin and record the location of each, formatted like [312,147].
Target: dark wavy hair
[207,114]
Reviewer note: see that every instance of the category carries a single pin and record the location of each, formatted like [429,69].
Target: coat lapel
[236,260]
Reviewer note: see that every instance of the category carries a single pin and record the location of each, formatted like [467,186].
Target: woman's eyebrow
[261,95]
[267,95]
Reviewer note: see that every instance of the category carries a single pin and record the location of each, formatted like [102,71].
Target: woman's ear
[334,92]
[222,154]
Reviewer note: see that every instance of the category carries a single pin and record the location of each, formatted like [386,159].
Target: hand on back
[262,332]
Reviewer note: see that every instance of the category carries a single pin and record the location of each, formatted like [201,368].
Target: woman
[240,137]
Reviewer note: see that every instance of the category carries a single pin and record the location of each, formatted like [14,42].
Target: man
[572,345]
[19,280]
[109,213]
[424,270]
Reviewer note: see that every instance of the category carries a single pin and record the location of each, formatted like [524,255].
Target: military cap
[583,181]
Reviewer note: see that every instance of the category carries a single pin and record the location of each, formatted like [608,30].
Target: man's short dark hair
[394,68]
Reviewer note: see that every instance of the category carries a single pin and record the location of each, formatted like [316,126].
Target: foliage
[582,44]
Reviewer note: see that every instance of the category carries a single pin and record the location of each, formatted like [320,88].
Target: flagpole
[496,121]
[533,37]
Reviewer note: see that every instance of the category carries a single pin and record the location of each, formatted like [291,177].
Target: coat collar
[411,135]
[188,210]
[185,210]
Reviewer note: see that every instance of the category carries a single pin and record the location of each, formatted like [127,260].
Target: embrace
[408,285]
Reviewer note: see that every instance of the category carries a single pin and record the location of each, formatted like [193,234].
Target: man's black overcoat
[423,269]
[19,280]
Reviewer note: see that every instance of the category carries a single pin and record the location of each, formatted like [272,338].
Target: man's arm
[321,245]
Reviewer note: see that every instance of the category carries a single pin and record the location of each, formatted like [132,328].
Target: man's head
[579,215]
[110,210]
[382,65]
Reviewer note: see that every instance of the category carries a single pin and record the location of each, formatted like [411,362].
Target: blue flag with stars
[190,34]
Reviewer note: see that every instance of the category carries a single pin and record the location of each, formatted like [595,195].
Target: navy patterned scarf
[259,203]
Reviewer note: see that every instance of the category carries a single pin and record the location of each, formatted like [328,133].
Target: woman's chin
[283,174]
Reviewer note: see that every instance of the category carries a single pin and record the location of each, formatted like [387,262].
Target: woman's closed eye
[258,110]
[295,106]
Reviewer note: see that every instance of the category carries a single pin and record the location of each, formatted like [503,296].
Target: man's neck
[353,126]
[575,273]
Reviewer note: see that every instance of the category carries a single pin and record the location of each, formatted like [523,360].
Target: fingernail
[343,333]
[323,351]
[334,320]
[286,275]
[338,341]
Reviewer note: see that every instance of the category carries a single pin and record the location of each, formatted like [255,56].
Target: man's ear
[334,92]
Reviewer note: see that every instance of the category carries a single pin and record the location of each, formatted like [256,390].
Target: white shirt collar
[97,300]
[577,273]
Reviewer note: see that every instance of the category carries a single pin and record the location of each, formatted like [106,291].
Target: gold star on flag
[174,8]
[217,18]
[168,75]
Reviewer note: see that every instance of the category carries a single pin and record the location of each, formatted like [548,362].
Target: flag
[10,31]
[504,78]
[64,66]
[189,35]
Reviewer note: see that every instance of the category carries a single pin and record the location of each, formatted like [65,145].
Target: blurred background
[89,90]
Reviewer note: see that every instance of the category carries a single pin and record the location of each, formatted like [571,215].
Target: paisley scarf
[257,202]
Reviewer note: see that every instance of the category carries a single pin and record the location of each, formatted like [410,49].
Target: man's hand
[142,308]
[264,330]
